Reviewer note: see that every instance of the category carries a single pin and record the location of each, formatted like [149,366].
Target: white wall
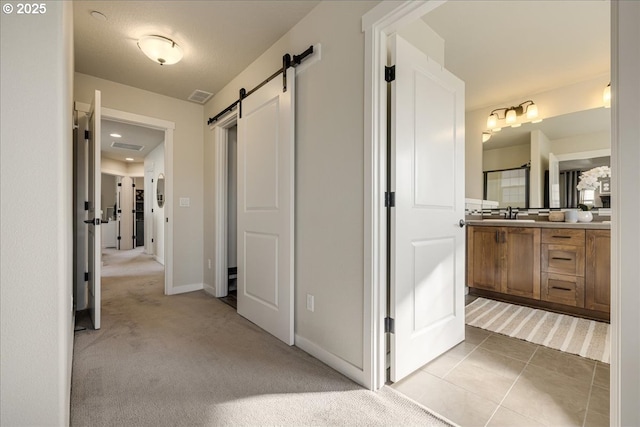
[579,143]
[36,217]
[109,193]
[540,147]
[187,165]
[504,158]
[329,175]
[154,221]
[422,36]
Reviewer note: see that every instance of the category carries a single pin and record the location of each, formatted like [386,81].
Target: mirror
[160,190]
[509,187]
[550,148]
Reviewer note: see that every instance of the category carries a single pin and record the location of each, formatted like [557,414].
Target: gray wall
[36,321]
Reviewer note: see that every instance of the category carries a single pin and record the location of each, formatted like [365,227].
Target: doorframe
[377,24]
[168,128]
[221,166]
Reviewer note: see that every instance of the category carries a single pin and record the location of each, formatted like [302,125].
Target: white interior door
[265,208]
[427,240]
[94,184]
[554,181]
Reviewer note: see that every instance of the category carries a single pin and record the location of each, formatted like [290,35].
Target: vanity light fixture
[606,96]
[510,114]
[160,49]
[486,136]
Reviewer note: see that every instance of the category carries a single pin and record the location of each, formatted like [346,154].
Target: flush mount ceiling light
[510,115]
[160,49]
[115,135]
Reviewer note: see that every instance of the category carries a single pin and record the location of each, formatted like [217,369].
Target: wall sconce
[606,96]
[160,49]
[510,114]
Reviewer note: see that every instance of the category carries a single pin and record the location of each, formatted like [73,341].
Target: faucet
[510,214]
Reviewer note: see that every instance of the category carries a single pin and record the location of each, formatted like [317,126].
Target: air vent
[200,96]
[124,146]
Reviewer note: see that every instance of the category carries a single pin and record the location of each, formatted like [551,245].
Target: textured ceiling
[219,39]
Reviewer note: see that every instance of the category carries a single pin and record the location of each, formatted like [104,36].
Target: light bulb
[532,111]
[160,49]
[492,121]
[511,116]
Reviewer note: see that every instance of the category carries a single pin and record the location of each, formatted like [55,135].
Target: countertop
[541,224]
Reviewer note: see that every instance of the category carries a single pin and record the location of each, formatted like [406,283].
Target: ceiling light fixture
[115,135]
[606,96]
[99,16]
[160,49]
[129,159]
[510,115]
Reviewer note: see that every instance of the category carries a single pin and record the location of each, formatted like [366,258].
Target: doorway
[377,26]
[231,297]
[143,123]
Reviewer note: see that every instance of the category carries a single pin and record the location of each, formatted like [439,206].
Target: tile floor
[494,380]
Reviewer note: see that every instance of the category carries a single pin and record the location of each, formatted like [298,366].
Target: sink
[509,220]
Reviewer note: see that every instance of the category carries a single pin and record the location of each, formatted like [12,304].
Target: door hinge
[86,276]
[119,237]
[87,135]
[119,184]
[389,73]
[86,206]
[151,240]
[133,184]
[389,325]
[133,211]
[151,210]
[390,199]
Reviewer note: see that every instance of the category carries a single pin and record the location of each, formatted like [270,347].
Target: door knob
[461,223]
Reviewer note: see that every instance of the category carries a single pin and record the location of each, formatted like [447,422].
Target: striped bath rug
[583,337]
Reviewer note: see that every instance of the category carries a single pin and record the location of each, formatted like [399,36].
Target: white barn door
[265,212]
[427,238]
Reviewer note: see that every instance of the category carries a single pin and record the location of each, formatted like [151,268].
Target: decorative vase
[585,216]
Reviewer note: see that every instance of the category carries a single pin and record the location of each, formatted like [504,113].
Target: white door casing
[427,240]
[94,216]
[265,211]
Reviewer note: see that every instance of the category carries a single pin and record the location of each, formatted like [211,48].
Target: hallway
[189,359]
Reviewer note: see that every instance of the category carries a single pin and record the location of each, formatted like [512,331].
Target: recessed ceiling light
[99,16]
[129,159]
[115,135]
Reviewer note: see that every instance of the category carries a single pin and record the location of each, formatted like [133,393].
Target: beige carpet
[190,360]
[575,335]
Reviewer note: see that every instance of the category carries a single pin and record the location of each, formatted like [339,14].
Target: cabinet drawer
[563,236]
[563,259]
[562,289]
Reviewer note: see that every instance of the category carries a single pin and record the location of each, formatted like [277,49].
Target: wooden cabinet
[484,258]
[562,269]
[505,259]
[563,258]
[598,270]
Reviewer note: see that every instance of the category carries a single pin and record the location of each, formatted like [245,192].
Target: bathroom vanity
[552,265]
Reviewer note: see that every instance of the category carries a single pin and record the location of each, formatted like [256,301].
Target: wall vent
[200,96]
[125,146]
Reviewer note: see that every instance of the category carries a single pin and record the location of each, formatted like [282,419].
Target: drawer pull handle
[563,259]
[562,289]
[561,237]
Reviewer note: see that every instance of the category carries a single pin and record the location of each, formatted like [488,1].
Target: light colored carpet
[190,360]
[575,335]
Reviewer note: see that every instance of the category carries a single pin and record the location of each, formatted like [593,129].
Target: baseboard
[186,288]
[345,368]
[160,260]
[209,289]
